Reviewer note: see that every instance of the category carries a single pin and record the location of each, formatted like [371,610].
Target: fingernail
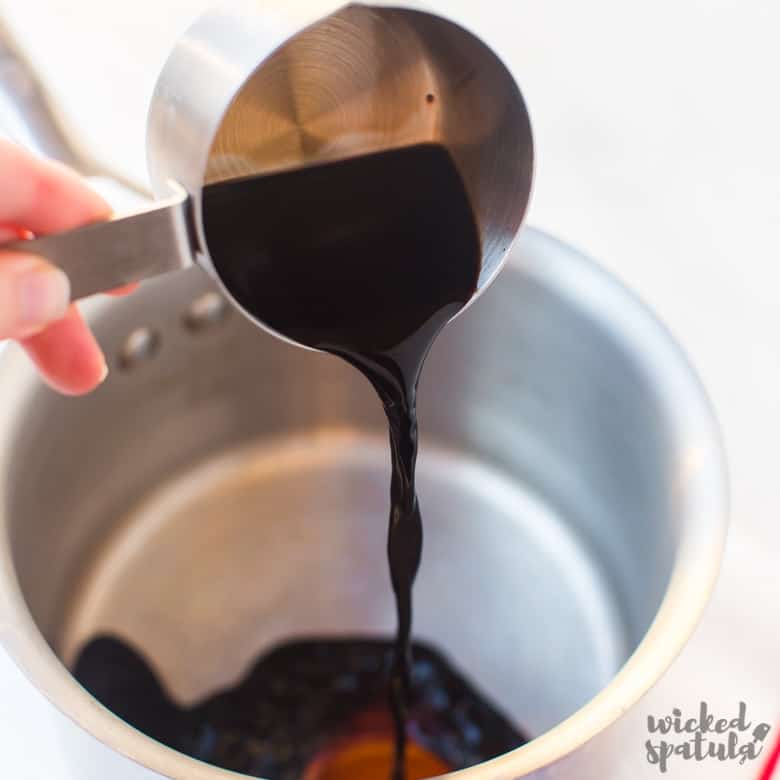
[43,295]
[104,373]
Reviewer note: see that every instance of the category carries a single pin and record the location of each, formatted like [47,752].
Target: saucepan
[224,491]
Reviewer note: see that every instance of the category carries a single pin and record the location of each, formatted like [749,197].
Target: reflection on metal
[28,115]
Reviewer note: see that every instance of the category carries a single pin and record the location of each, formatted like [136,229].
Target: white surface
[658,130]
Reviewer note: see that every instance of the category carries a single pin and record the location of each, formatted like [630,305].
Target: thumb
[32,295]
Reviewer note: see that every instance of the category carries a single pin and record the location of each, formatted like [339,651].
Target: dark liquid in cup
[367,259]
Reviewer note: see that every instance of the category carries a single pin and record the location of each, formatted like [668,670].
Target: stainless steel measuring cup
[253,89]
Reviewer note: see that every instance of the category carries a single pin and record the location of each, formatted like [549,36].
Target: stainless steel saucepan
[225,491]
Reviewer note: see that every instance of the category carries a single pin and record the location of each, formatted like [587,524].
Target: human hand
[39,197]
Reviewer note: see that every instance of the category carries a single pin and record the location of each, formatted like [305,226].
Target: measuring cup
[252,89]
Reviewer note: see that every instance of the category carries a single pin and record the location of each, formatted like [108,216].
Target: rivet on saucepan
[140,346]
[205,311]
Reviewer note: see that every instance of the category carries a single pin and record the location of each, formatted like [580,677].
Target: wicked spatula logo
[704,737]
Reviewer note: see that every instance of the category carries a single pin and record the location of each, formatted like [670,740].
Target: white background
[658,132]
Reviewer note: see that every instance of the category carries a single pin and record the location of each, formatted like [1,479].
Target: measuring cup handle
[129,248]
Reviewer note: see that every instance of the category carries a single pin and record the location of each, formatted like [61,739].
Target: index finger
[43,196]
